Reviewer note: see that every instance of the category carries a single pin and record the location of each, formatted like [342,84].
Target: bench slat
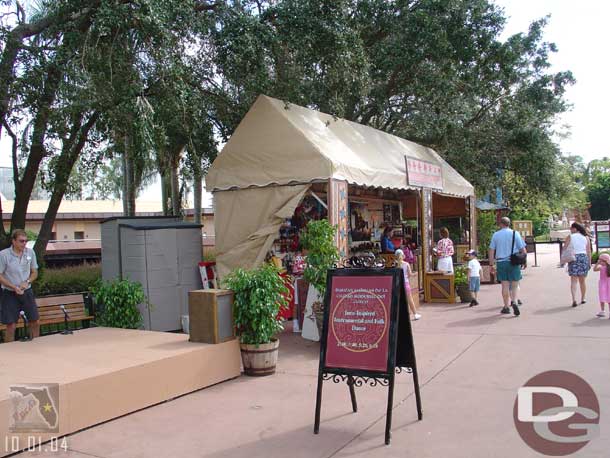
[58,320]
[58,309]
[50,316]
[59,300]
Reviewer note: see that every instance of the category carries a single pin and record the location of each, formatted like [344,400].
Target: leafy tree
[77,76]
[598,191]
[430,71]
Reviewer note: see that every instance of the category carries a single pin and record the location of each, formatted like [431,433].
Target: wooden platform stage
[99,374]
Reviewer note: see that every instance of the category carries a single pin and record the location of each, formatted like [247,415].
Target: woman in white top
[578,269]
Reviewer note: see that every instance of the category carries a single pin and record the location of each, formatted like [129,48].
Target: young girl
[604,282]
[406,269]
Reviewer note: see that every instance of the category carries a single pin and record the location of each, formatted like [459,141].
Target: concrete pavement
[471,363]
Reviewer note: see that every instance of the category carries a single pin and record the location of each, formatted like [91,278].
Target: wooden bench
[49,310]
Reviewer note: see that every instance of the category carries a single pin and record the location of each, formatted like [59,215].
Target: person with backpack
[507,255]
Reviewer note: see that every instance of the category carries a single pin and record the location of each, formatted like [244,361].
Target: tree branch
[21,17]
[11,134]
[484,109]
[206,6]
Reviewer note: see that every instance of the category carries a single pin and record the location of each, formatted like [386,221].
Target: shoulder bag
[567,254]
[517,259]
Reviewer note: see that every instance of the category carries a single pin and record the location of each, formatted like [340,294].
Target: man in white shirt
[18,269]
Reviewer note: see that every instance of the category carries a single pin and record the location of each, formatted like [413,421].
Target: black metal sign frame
[401,351]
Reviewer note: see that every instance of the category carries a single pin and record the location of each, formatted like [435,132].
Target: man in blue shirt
[500,250]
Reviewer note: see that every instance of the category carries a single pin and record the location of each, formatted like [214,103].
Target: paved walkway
[471,363]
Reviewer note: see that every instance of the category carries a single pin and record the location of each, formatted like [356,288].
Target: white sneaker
[601,314]
[417,316]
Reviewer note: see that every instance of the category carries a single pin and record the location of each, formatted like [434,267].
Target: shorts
[507,272]
[474,284]
[13,304]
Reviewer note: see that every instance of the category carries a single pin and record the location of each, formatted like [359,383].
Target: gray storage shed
[162,253]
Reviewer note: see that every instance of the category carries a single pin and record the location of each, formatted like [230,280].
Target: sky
[581,32]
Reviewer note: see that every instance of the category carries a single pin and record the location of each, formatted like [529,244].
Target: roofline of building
[103,215]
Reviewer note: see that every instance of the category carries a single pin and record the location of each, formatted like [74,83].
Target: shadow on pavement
[553,311]
[298,442]
[593,322]
[476,321]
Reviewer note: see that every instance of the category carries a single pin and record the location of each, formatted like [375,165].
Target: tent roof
[278,143]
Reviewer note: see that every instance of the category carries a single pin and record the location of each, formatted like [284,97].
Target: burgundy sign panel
[359,323]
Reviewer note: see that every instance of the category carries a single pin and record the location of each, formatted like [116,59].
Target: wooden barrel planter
[464,292]
[260,360]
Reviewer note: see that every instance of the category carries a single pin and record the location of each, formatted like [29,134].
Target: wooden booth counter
[439,287]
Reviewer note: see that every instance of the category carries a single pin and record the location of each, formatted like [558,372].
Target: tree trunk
[197,191]
[23,190]
[125,184]
[129,200]
[165,194]
[7,65]
[54,74]
[71,150]
[175,188]
[129,185]
[4,236]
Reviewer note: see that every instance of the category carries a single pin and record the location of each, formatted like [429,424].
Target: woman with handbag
[578,248]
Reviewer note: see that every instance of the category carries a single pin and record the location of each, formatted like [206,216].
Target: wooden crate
[439,287]
[211,316]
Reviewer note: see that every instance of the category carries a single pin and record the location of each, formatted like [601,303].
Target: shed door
[163,279]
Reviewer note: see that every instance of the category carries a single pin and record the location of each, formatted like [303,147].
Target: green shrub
[318,238]
[595,256]
[486,226]
[460,274]
[259,295]
[209,254]
[66,280]
[117,304]
[31,235]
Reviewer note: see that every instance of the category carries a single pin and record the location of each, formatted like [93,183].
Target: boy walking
[474,276]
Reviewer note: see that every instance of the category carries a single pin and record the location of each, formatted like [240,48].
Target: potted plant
[318,238]
[460,281]
[258,296]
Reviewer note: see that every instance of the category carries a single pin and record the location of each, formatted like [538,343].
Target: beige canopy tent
[279,149]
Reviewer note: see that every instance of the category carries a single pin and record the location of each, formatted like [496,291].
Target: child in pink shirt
[604,282]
